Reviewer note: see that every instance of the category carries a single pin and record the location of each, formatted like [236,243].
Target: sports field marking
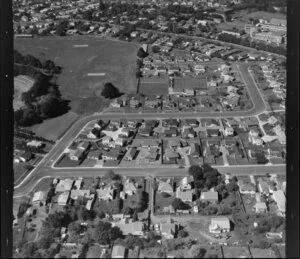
[96,74]
[81,46]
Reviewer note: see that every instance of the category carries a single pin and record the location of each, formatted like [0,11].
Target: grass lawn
[235,252]
[65,161]
[161,202]
[53,129]
[154,86]
[116,60]
[249,201]
[265,15]
[181,83]
[20,170]
[43,185]
[262,253]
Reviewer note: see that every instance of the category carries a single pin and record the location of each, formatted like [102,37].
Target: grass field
[115,61]
[190,83]
[54,128]
[154,85]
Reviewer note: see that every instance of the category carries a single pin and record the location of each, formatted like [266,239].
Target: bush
[182,233]
[110,91]
[165,195]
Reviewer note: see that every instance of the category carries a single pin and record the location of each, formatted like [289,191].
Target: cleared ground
[21,84]
[116,60]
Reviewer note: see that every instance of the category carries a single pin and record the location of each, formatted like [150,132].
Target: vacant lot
[21,84]
[161,202]
[53,129]
[190,83]
[155,86]
[116,61]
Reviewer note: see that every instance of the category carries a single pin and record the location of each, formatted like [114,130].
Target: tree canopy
[110,91]
[105,234]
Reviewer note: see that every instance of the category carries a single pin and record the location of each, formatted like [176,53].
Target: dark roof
[212,131]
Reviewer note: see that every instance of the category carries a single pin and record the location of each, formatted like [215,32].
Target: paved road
[44,169]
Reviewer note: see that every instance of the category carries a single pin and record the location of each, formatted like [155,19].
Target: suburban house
[194,150]
[39,198]
[77,155]
[120,142]
[171,132]
[191,122]
[94,155]
[260,207]
[228,131]
[63,198]
[150,143]
[119,251]
[167,230]
[151,156]
[212,132]
[165,187]
[90,201]
[263,187]
[34,143]
[130,187]
[219,225]
[84,146]
[64,185]
[26,156]
[186,183]
[171,155]
[79,193]
[132,153]
[254,137]
[210,196]
[94,133]
[246,187]
[112,154]
[106,193]
[106,140]
[185,196]
[188,133]
[146,132]
[280,199]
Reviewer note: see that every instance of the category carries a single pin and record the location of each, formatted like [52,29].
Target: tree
[62,28]
[196,171]
[105,234]
[261,158]
[232,187]
[165,195]
[101,214]
[155,49]
[182,233]
[110,91]
[128,211]
[75,228]
[112,175]
[141,53]
[178,204]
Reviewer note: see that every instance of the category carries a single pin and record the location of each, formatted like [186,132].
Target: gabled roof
[64,185]
[221,222]
[129,186]
[209,196]
[165,187]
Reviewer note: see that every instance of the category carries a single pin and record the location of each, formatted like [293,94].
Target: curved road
[44,169]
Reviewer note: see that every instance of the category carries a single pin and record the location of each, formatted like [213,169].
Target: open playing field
[158,85]
[21,84]
[86,69]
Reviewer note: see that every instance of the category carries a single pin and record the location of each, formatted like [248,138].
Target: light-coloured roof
[118,251]
[63,197]
[221,222]
[209,196]
[130,228]
[64,185]
[76,193]
[39,196]
[280,199]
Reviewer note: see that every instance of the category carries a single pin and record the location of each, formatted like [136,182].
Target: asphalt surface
[44,167]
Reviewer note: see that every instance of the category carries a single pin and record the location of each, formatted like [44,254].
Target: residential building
[129,187]
[63,198]
[246,187]
[165,187]
[219,225]
[39,198]
[210,196]
[64,185]
[280,199]
[132,153]
[167,230]
[79,193]
[34,143]
[185,196]
[119,251]
[77,155]
[105,193]
[260,207]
